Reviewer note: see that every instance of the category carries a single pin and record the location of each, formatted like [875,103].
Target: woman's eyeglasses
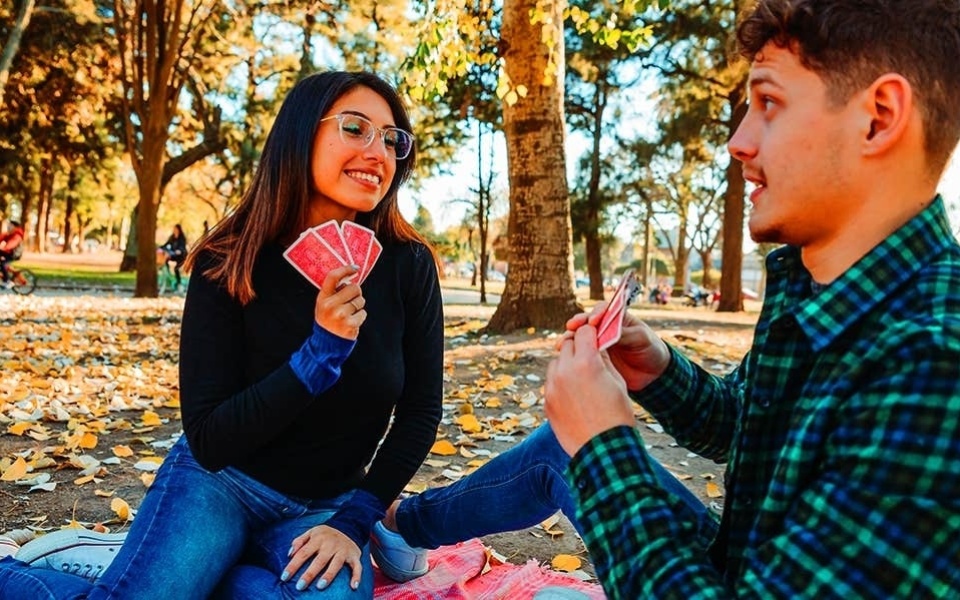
[359,132]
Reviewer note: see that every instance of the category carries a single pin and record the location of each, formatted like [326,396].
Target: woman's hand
[339,308]
[327,551]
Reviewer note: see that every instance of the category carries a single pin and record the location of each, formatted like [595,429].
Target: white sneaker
[8,285]
[11,541]
[78,551]
[8,547]
[397,560]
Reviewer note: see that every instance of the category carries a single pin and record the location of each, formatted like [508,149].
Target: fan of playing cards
[611,321]
[329,245]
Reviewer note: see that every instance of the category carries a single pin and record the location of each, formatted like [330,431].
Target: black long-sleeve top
[243,406]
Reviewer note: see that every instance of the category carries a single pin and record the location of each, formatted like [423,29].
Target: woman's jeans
[518,489]
[200,534]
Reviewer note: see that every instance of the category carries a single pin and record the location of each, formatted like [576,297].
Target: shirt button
[581,484]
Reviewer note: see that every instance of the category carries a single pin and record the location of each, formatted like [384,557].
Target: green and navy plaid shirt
[841,434]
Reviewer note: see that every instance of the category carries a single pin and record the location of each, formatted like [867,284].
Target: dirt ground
[496,379]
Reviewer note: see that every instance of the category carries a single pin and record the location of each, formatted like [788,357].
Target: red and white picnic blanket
[457,573]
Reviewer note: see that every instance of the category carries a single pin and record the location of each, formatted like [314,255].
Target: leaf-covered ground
[89,406]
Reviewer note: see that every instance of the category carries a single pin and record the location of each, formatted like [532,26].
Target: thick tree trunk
[539,288]
[731,284]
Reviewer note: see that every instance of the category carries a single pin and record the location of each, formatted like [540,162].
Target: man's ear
[889,105]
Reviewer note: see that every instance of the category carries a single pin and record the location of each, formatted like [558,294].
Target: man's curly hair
[849,43]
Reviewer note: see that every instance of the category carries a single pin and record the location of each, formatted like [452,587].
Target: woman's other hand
[339,308]
[325,551]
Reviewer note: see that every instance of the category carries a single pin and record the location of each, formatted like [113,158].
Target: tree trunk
[129,261]
[539,288]
[44,198]
[682,261]
[706,257]
[13,42]
[592,225]
[731,299]
[68,212]
[151,172]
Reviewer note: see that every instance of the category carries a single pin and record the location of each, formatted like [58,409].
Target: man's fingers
[585,339]
[576,321]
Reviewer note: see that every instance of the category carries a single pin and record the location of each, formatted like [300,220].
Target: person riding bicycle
[175,249]
[11,248]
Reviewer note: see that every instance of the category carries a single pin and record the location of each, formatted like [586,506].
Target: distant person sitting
[176,250]
[11,248]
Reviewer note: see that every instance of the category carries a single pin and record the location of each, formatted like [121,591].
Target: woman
[175,250]
[285,392]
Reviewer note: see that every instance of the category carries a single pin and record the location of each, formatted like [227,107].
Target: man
[841,428]
[11,248]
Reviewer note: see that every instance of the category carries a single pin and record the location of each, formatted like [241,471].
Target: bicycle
[24,281]
[166,278]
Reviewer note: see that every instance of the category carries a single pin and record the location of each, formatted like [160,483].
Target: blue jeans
[200,534]
[518,489]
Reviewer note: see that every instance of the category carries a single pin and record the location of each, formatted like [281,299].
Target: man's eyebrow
[756,80]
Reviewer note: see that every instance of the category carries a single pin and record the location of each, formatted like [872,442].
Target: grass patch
[63,277]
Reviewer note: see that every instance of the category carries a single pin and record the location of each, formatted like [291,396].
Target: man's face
[797,150]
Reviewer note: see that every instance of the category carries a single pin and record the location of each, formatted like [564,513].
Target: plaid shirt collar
[825,315]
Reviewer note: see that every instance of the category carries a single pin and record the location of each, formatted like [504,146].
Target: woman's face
[346,178]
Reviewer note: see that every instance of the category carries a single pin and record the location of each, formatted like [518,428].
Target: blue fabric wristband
[356,518]
[317,363]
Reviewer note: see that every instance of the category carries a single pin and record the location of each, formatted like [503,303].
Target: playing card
[358,240]
[330,233]
[313,257]
[375,250]
[611,322]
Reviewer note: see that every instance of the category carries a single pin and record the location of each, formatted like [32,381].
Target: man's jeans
[519,488]
[197,535]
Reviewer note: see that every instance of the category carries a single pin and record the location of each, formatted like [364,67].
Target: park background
[559,143]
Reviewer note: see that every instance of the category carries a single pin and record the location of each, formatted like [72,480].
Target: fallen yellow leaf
[88,440]
[19,428]
[565,562]
[443,448]
[120,506]
[151,419]
[122,451]
[468,423]
[713,490]
[16,471]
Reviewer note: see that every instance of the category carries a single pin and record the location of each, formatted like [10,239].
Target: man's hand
[327,551]
[339,309]
[584,394]
[640,356]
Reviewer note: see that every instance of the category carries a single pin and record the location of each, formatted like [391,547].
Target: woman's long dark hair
[276,207]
